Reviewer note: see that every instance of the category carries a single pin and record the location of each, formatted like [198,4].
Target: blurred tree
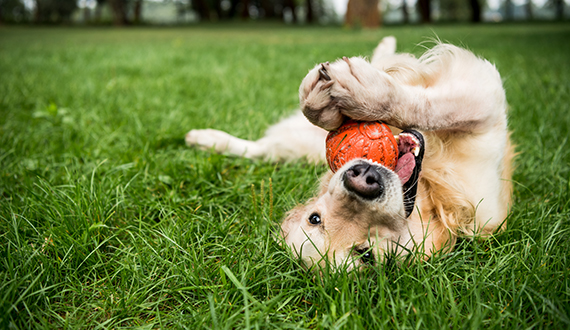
[559,9]
[528,8]
[508,10]
[137,12]
[233,8]
[125,12]
[285,10]
[12,11]
[405,14]
[268,7]
[289,5]
[54,11]
[119,9]
[310,13]
[425,10]
[98,9]
[475,11]
[218,10]
[245,9]
[202,8]
[460,10]
[364,13]
[86,14]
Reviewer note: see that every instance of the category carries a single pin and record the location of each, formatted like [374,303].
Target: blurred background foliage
[355,13]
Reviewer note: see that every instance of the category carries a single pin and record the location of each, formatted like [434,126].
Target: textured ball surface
[370,140]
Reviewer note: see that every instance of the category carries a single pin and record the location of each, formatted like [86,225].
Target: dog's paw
[207,139]
[346,88]
[317,103]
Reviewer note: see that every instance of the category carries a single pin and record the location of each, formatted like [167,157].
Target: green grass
[108,221]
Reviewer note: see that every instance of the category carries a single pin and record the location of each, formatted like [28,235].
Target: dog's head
[361,210]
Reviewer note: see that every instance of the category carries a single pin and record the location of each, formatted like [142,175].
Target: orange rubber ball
[355,139]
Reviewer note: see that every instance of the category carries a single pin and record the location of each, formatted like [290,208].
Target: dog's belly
[478,163]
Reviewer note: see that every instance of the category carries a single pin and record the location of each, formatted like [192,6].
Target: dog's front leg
[348,88]
[462,96]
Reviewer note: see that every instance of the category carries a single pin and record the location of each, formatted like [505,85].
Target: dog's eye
[366,256]
[315,219]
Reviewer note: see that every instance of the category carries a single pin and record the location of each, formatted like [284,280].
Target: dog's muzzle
[368,181]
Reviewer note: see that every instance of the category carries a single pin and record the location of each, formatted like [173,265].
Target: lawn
[107,220]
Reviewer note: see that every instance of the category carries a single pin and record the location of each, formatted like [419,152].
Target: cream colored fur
[453,97]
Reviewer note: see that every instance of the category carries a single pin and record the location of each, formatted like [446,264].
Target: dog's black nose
[364,180]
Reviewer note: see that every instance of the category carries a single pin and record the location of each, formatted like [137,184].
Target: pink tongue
[405,167]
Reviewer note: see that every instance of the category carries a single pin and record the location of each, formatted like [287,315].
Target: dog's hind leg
[289,139]
[386,47]
[211,139]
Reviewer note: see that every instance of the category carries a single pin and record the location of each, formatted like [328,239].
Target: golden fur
[458,103]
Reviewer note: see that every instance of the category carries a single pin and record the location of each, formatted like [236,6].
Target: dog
[448,111]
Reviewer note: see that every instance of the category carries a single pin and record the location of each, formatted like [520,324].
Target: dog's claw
[323,73]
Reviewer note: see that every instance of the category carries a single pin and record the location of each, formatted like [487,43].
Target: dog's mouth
[411,147]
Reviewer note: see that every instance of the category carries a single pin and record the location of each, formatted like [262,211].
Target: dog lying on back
[453,108]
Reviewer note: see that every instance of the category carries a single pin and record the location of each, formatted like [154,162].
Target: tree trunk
[475,11]
[364,13]
[559,9]
[269,8]
[119,8]
[86,15]
[405,13]
[425,10]
[291,4]
[245,9]
[233,8]
[37,12]
[529,13]
[218,9]
[137,12]
[97,15]
[310,14]
[201,6]
[508,10]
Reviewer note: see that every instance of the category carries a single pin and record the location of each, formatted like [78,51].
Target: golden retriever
[452,107]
